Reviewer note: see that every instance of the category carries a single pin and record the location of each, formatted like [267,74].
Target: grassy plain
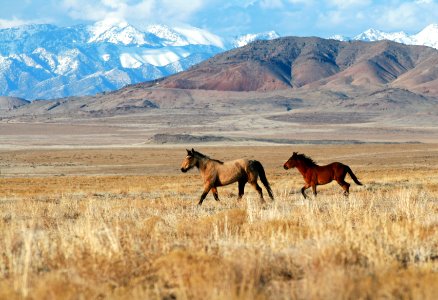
[123,223]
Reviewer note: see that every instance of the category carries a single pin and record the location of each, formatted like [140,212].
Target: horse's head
[189,162]
[291,162]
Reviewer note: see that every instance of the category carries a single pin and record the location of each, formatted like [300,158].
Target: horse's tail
[353,176]
[259,168]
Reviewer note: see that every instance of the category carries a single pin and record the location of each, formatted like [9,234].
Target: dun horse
[318,175]
[217,173]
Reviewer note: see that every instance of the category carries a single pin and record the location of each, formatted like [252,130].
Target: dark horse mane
[205,156]
[307,160]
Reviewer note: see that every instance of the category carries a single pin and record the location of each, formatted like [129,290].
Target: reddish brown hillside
[296,62]
[242,76]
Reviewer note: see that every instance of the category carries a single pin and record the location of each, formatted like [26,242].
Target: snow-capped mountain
[251,37]
[426,37]
[340,37]
[377,35]
[46,61]
[184,36]
[118,32]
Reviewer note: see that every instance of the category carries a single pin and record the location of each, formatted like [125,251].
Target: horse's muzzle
[285,167]
[183,170]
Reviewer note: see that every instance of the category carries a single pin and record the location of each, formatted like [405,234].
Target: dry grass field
[123,223]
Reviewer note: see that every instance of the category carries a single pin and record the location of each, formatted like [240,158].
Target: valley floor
[117,222]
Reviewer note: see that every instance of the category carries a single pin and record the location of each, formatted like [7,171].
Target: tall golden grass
[143,237]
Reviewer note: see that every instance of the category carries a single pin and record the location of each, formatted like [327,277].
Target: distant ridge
[47,61]
[428,36]
[294,62]
[7,103]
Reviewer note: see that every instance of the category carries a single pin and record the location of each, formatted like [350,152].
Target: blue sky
[230,18]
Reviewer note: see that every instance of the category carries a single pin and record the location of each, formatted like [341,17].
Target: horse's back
[241,163]
[232,171]
[327,173]
[339,169]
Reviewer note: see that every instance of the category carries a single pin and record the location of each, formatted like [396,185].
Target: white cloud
[113,3]
[331,18]
[177,10]
[307,2]
[163,11]
[233,17]
[271,4]
[408,15]
[353,16]
[404,15]
[345,4]
[14,22]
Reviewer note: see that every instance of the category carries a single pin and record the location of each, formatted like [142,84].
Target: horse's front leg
[207,188]
[303,189]
[314,190]
[215,194]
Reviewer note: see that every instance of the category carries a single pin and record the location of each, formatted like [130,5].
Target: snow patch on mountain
[116,32]
[168,36]
[377,35]
[339,37]
[251,37]
[426,37]
[197,36]
[156,57]
[184,36]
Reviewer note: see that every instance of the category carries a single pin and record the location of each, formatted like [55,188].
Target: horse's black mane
[307,160]
[205,156]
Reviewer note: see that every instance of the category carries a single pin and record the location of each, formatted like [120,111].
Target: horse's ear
[188,152]
[193,151]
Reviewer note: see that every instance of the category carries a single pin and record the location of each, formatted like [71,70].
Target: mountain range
[285,90]
[426,37]
[47,62]
[293,62]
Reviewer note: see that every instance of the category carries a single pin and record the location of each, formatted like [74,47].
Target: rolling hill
[9,103]
[295,62]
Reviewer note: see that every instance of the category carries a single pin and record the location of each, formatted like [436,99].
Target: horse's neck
[203,162]
[302,167]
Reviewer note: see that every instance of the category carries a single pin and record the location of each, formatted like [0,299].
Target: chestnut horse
[318,175]
[217,173]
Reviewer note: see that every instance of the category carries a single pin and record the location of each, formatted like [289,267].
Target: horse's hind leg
[345,186]
[215,194]
[259,190]
[241,189]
